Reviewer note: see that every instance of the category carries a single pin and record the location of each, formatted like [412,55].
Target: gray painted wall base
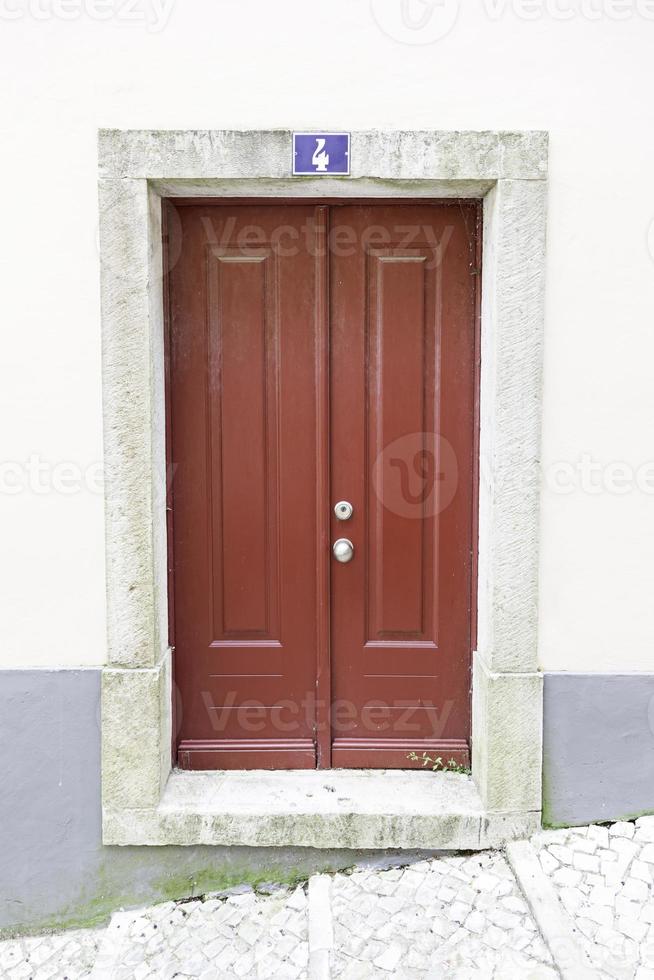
[54,870]
[598,752]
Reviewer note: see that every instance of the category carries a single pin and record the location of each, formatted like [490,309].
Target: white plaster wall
[244,64]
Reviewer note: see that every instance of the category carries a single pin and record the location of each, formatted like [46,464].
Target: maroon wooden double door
[321,353]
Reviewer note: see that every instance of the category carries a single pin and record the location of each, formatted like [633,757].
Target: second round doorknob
[343,549]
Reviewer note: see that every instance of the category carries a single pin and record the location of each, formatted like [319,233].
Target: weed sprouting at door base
[437,764]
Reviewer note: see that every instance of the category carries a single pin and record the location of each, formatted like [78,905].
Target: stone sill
[336,808]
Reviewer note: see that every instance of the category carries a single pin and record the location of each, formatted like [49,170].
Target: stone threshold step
[335,808]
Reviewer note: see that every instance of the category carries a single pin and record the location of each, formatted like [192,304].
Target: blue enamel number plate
[321,153]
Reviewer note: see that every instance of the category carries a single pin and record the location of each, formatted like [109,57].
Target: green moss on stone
[103,898]
[202,882]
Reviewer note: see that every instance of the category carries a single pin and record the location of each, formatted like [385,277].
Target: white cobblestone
[70,954]
[561,853]
[548,861]
[613,909]
[599,834]
[622,829]
[452,917]
[586,862]
[566,878]
[641,871]
[476,922]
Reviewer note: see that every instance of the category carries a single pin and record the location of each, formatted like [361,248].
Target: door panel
[243,358]
[402,427]
[243,337]
[399,393]
[302,375]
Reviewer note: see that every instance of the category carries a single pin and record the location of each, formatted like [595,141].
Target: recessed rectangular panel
[398,476]
[242,378]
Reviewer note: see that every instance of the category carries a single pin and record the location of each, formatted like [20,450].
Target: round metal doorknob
[343,549]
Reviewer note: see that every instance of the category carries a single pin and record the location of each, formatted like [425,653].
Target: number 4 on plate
[321,153]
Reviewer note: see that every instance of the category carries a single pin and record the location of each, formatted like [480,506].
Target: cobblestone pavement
[604,878]
[455,917]
[244,935]
[452,917]
[52,957]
